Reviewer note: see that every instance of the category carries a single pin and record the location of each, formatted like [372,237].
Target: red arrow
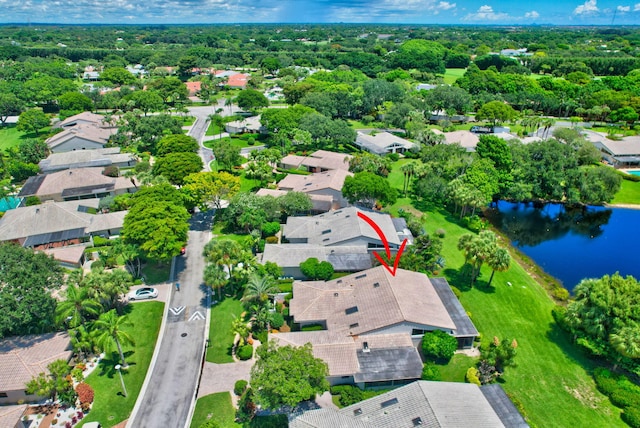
[386,245]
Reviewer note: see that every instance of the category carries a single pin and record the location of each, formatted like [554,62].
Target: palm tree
[626,342]
[258,289]
[77,306]
[111,328]
[228,102]
[82,341]
[408,169]
[215,277]
[240,327]
[499,261]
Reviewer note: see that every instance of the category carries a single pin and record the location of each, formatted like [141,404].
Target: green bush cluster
[439,345]
[472,376]
[271,240]
[99,241]
[270,228]
[277,320]
[261,336]
[245,352]
[240,387]
[430,371]
[559,314]
[349,394]
[622,393]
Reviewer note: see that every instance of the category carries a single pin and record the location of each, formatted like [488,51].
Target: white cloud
[445,5]
[588,8]
[623,8]
[532,15]
[486,13]
[636,8]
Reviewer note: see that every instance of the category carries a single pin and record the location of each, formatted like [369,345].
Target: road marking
[177,310]
[196,316]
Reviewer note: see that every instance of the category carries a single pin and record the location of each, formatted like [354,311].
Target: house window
[417,331]
[388,403]
[3,395]
[351,310]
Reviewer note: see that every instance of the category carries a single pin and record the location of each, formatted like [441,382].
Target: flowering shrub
[85,393]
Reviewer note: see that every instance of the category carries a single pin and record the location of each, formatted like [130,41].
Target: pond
[573,243]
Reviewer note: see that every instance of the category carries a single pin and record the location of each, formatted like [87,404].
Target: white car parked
[143,293]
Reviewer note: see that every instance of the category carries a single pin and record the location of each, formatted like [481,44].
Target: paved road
[199,128]
[170,390]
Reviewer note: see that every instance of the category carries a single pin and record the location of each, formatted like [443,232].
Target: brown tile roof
[23,357]
[10,415]
[57,182]
[193,87]
[238,80]
[319,159]
[84,117]
[370,300]
[333,180]
[88,132]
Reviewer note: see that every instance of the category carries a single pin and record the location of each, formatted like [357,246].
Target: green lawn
[215,406]
[453,74]
[213,129]
[155,273]
[220,335]
[235,141]
[629,193]
[110,407]
[248,184]
[10,137]
[188,120]
[552,378]
[356,124]
[396,176]
[456,369]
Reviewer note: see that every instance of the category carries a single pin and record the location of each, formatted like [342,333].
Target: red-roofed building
[193,87]
[238,81]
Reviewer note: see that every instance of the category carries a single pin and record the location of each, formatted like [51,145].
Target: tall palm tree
[77,306]
[408,169]
[215,277]
[111,333]
[498,261]
[258,289]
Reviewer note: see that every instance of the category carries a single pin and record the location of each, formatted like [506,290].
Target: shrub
[240,387]
[77,374]
[440,233]
[111,171]
[99,241]
[245,352]
[631,416]
[472,376]
[430,371]
[270,228]
[560,293]
[415,226]
[393,156]
[85,393]
[456,291]
[251,141]
[246,407]
[350,395]
[261,336]
[559,314]
[312,327]
[316,270]
[271,240]
[439,345]
[277,320]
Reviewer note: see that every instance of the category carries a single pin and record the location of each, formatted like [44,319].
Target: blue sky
[560,12]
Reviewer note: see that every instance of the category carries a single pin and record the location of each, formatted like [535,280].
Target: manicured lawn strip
[396,176]
[356,124]
[248,184]
[220,335]
[217,407]
[552,378]
[629,193]
[453,74]
[456,369]
[188,120]
[110,407]
[236,142]
[10,137]
[213,129]
[220,233]
[155,273]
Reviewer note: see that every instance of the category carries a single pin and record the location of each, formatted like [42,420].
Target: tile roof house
[11,416]
[238,81]
[375,302]
[623,153]
[87,158]
[319,203]
[383,143]
[247,125]
[466,139]
[318,161]
[421,403]
[84,118]
[193,87]
[342,258]
[56,224]
[342,227]
[80,137]
[75,183]
[322,183]
[24,357]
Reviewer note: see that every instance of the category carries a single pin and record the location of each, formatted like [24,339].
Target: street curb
[156,351]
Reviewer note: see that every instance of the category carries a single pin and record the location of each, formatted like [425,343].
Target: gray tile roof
[74,182]
[84,117]
[333,179]
[381,142]
[464,325]
[397,363]
[88,132]
[334,227]
[319,159]
[23,357]
[347,258]
[85,158]
[421,403]
[382,300]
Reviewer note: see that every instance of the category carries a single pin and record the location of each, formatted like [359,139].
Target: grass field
[629,193]
[552,378]
[217,407]
[10,137]
[453,74]
[220,335]
[213,129]
[110,407]
[155,273]
[236,142]
[456,369]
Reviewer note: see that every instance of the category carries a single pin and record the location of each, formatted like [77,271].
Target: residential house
[328,183]
[25,357]
[319,203]
[375,302]
[80,137]
[110,156]
[467,139]
[193,88]
[84,118]
[421,403]
[318,161]
[343,228]
[76,183]
[57,224]
[238,81]
[515,52]
[11,415]
[623,153]
[383,143]
[348,258]
[425,87]
[438,115]
[247,125]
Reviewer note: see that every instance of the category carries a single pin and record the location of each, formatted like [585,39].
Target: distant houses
[383,143]
[249,125]
[84,131]
[327,183]
[318,161]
